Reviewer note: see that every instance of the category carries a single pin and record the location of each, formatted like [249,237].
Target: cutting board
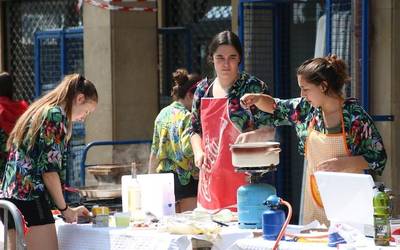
[347,198]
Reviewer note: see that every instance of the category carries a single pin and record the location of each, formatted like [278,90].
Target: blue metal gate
[261,30]
[57,53]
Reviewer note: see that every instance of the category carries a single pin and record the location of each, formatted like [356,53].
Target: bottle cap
[381,188]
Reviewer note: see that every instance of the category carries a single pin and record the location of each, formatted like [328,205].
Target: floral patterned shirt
[244,120]
[171,142]
[362,137]
[22,179]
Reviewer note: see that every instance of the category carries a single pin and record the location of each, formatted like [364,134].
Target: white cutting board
[347,198]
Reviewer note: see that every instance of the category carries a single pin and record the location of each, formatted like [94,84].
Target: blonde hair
[28,125]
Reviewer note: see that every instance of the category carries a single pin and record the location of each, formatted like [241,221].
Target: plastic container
[101,216]
[122,219]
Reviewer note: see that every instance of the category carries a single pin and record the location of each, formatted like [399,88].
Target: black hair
[6,85]
[225,38]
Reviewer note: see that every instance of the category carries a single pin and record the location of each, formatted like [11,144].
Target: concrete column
[121,59]
[235,16]
[98,68]
[385,78]
[395,102]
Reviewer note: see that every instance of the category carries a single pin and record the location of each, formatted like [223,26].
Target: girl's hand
[331,165]
[262,101]
[199,158]
[247,100]
[82,211]
[71,214]
[259,135]
[347,164]
[244,137]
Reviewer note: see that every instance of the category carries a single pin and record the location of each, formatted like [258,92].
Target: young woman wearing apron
[336,134]
[217,121]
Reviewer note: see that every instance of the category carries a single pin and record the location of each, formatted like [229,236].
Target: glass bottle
[134,193]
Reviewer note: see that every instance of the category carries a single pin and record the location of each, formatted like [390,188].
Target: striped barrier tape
[126,1]
[107,6]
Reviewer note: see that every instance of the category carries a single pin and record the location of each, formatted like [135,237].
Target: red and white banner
[107,6]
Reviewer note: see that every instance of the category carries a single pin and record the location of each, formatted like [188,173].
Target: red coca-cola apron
[218,182]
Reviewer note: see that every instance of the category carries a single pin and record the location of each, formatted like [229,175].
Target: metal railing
[8,206]
[105,143]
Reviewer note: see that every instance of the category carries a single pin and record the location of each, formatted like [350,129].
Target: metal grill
[258,41]
[74,54]
[203,19]
[49,64]
[341,34]
[173,39]
[57,53]
[23,19]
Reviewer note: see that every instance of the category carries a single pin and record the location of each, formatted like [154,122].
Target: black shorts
[36,212]
[184,191]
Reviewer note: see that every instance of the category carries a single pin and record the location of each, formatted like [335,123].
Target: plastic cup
[122,219]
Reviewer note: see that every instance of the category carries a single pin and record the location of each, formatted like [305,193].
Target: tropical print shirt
[171,142]
[22,179]
[244,119]
[3,151]
[362,137]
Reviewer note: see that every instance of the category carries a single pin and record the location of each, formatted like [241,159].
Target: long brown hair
[28,125]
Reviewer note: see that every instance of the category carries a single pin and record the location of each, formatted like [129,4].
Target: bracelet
[62,210]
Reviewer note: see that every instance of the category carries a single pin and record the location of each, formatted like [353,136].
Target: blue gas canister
[272,219]
[251,198]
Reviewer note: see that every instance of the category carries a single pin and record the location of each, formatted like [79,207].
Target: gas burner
[255,170]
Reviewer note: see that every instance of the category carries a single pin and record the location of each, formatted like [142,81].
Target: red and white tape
[108,6]
[126,1]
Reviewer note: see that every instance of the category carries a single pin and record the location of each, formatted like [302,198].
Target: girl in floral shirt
[34,170]
[171,150]
[218,120]
[336,134]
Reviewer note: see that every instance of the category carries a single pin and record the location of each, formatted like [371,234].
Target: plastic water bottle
[381,204]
